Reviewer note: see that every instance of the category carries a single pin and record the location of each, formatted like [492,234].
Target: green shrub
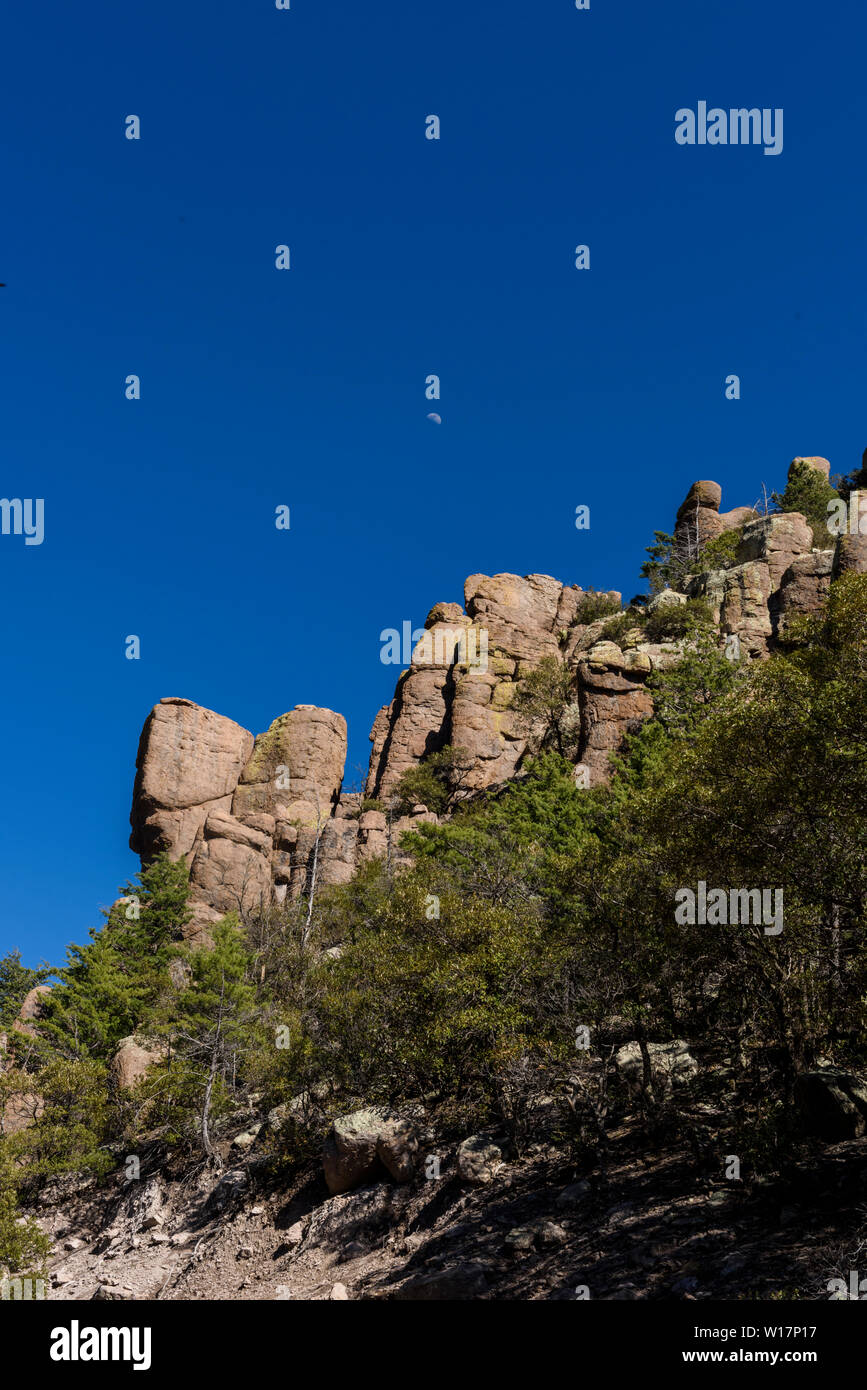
[718,554]
[434,782]
[616,628]
[594,605]
[674,620]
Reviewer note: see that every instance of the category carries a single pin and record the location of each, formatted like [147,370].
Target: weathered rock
[31,1009]
[296,768]
[248,1138]
[819,465]
[133,1058]
[519,614]
[613,700]
[671,1064]
[803,589]
[738,599]
[189,761]
[364,1143]
[850,556]
[699,519]
[479,1159]
[666,598]
[231,870]
[776,540]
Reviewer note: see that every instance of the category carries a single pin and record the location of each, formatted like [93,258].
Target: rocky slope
[387,1208]
[635,1227]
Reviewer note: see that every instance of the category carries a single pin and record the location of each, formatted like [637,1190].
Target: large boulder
[850,556]
[833,1104]
[479,1159]
[699,519]
[803,589]
[31,1008]
[188,765]
[671,1064]
[133,1058]
[296,768]
[367,1141]
[813,461]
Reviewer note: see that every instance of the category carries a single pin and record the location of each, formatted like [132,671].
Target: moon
[437,419]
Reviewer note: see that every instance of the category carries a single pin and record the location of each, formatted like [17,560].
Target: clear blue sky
[306,387]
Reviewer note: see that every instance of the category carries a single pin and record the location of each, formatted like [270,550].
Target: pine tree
[110,987]
[211,1025]
[16,982]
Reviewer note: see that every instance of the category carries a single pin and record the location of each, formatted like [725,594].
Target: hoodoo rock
[189,762]
[253,816]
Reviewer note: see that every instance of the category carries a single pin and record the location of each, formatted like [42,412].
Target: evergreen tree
[109,987]
[809,492]
[212,1025]
[16,982]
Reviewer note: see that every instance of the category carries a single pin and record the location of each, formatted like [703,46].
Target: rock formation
[256,818]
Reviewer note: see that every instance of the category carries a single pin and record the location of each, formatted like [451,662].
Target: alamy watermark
[738,906]
[442,647]
[737,126]
[23,516]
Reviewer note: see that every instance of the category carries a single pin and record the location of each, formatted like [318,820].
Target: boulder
[698,519]
[833,1104]
[31,1008]
[671,1064]
[819,465]
[479,1159]
[850,556]
[803,589]
[665,599]
[296,768]
[189,761]
[133,1058]
[367,1141]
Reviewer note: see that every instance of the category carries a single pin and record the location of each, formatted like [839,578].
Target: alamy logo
[855,522]
[16,1290]
[718,908]
[466,645]
[25,517]
[737,126]
[76,1343]
[857,1288]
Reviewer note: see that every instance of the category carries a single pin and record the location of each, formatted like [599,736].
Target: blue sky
[259,387]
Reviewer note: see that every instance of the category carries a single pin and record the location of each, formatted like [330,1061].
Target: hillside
[566,1002]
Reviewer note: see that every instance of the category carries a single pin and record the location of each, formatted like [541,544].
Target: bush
[433,783]
[718,554]
[594,605]
[674,620]
[616,628]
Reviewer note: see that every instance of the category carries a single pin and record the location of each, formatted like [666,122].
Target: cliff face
[257,817]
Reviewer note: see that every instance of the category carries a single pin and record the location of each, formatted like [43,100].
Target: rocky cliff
[256,818]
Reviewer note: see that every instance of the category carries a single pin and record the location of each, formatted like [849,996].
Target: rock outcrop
[253,817]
